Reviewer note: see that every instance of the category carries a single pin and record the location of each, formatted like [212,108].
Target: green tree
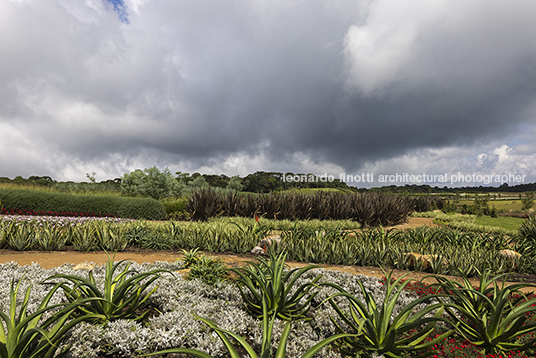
[151,182]
[92,177]
[183,178]
[528,201]
[235,184]
[263,182]
[199,182]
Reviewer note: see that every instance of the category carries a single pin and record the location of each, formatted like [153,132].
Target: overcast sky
[238,86]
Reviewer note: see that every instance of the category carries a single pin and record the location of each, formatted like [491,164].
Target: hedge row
[124,207]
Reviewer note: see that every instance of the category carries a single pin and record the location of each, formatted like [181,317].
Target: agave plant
[265,281]
[190,257]
[528,228]
[491,317]
[51,238]
[84,237]
[22,237]
[378,330]
[111,237]
[122,297]
[6,228]
[29,335]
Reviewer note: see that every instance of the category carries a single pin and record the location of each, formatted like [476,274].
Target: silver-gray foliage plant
[178,300]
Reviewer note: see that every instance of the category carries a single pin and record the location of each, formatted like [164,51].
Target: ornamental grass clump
[122,296]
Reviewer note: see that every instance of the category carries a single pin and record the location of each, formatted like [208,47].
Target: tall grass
[367,209]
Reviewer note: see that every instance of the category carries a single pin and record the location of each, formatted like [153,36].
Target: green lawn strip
[504,222]
[507,205]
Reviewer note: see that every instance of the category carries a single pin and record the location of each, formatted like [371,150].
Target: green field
[508,205]
[504,222]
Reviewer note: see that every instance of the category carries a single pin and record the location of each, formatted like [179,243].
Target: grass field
[508,205]
[505,222]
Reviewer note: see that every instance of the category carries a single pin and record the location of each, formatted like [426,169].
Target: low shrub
[176,209]
[208,270]
[27,200]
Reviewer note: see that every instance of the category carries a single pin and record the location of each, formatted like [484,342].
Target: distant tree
[151,182]
[235,184]
[528,201]
[20,180]
[44,180]
[183,178]
[263,182]
[220,181]
[199,182]
[91,177]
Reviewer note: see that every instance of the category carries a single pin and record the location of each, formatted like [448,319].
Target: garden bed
[173,322]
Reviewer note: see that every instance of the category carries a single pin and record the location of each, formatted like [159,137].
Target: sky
[442,89]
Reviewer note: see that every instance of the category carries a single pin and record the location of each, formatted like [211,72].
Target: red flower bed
[454,346]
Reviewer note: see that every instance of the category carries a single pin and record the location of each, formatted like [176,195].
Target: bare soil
[58,258]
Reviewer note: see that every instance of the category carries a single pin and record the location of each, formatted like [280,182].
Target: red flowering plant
[455,345]
[491,317]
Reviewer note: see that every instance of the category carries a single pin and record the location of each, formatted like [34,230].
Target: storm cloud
[239,86]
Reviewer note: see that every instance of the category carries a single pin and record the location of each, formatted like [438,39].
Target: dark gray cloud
[240,86]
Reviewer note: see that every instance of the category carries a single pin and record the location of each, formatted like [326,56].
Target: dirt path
[57,258]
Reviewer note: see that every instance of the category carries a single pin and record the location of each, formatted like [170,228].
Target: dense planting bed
[445,250]
[175,303]
[178,300]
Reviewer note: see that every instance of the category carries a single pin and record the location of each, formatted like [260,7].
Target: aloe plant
[376,327]
[122,297]
[265,281]
[491,317]
[29,335]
